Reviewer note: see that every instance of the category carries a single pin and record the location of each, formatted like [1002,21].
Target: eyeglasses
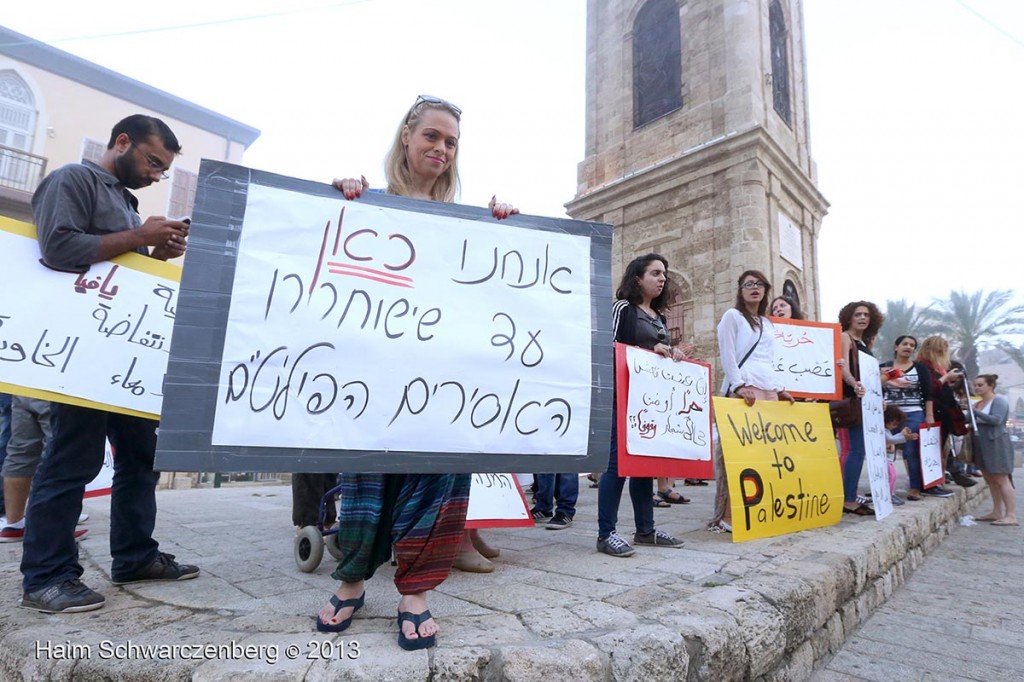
[153,162]
[430,99]
[754,285]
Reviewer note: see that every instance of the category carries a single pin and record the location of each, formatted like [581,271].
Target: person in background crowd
[860,322]
[563,488]
[5,435]
[786,308]
[907,385]
[85,214]
[896,433]
[994,450]
[746,343]
[644,292]
[421,517]
[307,492]
[934,354]
[30,434]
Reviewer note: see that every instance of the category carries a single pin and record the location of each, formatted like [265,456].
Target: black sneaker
[897,501]
[558,522]
[963,480]
[937,491]
[71,596]
[540,516]
[615,545]
[656,538]
[162,568]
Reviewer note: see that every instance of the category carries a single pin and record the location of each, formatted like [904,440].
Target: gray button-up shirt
[73,207]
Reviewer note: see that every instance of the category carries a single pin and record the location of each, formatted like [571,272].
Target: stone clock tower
[697,148]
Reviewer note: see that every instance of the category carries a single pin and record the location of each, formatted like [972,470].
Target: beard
[124,170]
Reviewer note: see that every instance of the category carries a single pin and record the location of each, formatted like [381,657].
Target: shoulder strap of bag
[728,390]
[759,335]
[854,358]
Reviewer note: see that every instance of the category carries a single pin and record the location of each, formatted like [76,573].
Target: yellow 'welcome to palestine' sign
[782,467]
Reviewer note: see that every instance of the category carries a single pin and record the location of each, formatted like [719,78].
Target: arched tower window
[657,61]
[790,292]
[780,60]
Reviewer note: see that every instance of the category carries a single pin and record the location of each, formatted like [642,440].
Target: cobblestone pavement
[959,617]
[554,608]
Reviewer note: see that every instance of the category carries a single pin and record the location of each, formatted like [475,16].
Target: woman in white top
[746,344]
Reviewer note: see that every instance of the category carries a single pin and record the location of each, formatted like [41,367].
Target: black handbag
[847,412]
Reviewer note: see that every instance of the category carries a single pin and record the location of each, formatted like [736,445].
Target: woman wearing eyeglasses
[420,516]
[746,343]
[637,320]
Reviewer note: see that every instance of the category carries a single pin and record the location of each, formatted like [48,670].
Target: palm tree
[901,318]
[979,320]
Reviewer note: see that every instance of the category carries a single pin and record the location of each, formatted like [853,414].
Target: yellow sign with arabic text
[781,465]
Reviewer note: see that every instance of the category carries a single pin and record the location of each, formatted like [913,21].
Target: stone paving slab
[554,609]
[959,617]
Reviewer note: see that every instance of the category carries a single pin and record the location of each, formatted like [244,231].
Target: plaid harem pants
[422,516]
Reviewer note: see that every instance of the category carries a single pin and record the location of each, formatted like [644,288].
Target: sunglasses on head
[430,99]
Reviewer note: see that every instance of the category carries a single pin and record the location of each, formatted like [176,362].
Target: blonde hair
[935,351]
[396,165]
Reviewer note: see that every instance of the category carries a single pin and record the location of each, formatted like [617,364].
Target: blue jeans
[854,463]
[912,451]
[5,437]
[72,459]
[609,493]
[568,490]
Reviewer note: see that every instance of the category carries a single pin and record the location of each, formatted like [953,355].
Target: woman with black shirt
[637,320]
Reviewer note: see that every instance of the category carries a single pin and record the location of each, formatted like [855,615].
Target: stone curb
[773,623]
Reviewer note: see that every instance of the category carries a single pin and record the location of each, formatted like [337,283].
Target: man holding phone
[85,214]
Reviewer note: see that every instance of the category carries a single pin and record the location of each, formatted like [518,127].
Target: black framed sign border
[197,344]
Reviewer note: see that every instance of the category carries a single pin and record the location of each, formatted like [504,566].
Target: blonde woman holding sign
[420,516]
[746,344]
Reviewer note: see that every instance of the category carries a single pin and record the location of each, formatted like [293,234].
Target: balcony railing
[20,170]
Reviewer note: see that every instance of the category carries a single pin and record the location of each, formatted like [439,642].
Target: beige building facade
[56,109]
[697,148]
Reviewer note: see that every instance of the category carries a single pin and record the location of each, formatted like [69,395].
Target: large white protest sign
[358,325]
[805,358]
[668,407]
[874,435]
[497,501]
[100,338]
[932,472]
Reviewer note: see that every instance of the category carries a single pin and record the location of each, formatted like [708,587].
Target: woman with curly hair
[860,321]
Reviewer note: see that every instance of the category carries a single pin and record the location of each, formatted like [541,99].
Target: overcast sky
[916,109]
